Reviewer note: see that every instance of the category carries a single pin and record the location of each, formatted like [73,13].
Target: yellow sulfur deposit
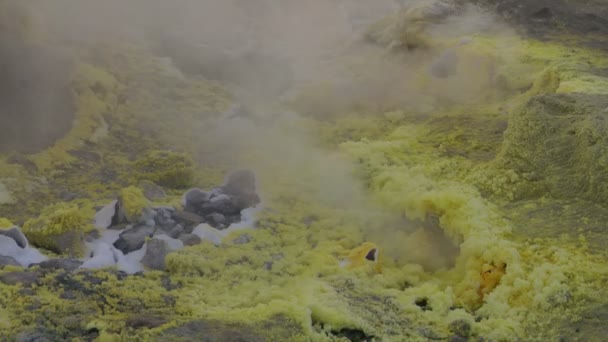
[482,187]
[366,254]
[490,277]
[4,223]
[134,202]
[60,228]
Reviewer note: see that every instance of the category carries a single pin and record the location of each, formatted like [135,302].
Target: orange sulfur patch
[366,254]
[490,277]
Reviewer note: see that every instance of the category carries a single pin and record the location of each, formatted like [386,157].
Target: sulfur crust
[60,228]
[134,202]
[4,223]
[408,170]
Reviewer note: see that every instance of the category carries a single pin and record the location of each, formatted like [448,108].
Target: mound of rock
[553,17]
[15,249]
[60,228]
[137,232]
[408,29]
[131,233]
[222,206]
[557,144]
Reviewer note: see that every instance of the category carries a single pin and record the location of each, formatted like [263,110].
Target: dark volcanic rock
[156,252]
[222,204]
[353,335]
[164,218]
[119,216]
[25,278]
[8,261]
[133,239]
[216,219]
[64,264]
[176,231]
[194,198]
[190,239]
[15,234]
[187,218]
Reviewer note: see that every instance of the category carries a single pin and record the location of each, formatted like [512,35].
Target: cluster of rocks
[219,208]
[223,205]
[148,239]
[169,228]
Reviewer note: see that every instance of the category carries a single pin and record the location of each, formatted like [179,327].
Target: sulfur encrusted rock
[133,239]
[15,234]
[557,144]
[60,228]
[8,261]
[131,205]
[156,252]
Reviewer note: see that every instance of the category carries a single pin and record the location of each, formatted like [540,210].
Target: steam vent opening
[427,244]
[35,95]
[445,249]
[371,255]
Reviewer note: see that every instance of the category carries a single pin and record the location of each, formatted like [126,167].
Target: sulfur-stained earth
[465,201]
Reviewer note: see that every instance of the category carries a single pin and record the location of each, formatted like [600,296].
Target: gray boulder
[190,239]
[15,234]
[133,239]
[176,231]
[64,264]
[8,261]
[194,198]
[26,278]
[156,252]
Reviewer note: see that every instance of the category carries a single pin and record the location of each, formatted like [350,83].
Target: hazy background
[265,52]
